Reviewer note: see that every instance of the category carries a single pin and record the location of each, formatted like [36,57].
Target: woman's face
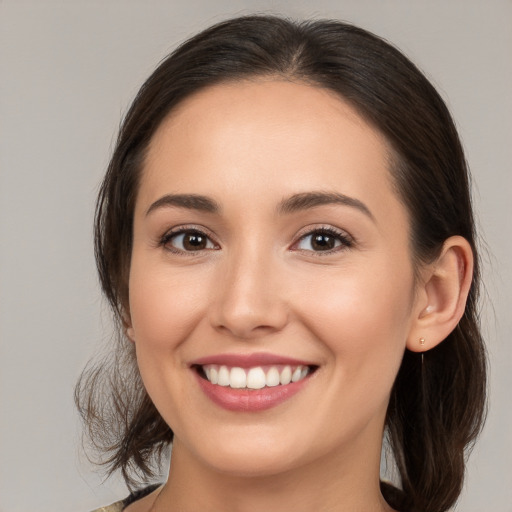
[271,254]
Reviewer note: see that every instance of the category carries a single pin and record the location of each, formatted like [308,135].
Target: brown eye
[323,241]
[188,241]
[194,241]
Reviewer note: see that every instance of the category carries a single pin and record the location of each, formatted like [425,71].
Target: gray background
[68,70]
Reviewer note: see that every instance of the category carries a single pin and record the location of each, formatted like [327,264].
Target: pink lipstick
[252,382]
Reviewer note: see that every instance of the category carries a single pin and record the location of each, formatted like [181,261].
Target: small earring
[422,343]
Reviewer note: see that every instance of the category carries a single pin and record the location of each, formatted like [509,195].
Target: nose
[249,299]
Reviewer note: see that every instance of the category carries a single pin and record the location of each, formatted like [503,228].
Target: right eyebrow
[189,201]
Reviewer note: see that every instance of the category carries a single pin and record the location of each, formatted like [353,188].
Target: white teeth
[254,378]
[237,378]
[272,377]
[286,375]
[297,374]
[223,376]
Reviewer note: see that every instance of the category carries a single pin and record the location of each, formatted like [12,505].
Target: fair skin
[298,248]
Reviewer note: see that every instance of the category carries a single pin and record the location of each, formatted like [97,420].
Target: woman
[286,238]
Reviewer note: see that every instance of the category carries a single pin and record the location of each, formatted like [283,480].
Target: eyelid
[346,239]
[177,230]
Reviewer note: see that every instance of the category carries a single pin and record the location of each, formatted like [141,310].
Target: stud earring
[422,343]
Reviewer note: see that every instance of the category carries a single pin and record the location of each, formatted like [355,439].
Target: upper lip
[249,360]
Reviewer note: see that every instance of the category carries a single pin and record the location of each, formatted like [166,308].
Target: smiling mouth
[254,378]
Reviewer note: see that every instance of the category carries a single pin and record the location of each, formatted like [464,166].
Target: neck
[337,482]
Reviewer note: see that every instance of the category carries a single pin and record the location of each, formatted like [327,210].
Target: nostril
[248,312]
[246,331]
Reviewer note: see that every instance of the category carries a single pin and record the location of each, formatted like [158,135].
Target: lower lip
[249,400]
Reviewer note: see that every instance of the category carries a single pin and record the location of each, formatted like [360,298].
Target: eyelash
[346,241]
[173,233]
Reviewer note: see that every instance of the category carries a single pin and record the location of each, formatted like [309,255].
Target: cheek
[363,320]
[164,308]
[361,317]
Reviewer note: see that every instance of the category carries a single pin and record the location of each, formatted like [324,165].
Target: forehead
[264,105]
[268,138]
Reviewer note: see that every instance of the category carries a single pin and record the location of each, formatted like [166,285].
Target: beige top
[118,506]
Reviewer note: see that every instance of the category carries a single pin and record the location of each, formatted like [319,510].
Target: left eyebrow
[307,200]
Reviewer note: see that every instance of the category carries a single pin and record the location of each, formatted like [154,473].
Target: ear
[127,325]
[441,297]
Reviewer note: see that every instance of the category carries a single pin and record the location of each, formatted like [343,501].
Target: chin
[256,457]
[251,465]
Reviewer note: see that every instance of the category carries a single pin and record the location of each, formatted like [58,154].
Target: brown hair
[436,408]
